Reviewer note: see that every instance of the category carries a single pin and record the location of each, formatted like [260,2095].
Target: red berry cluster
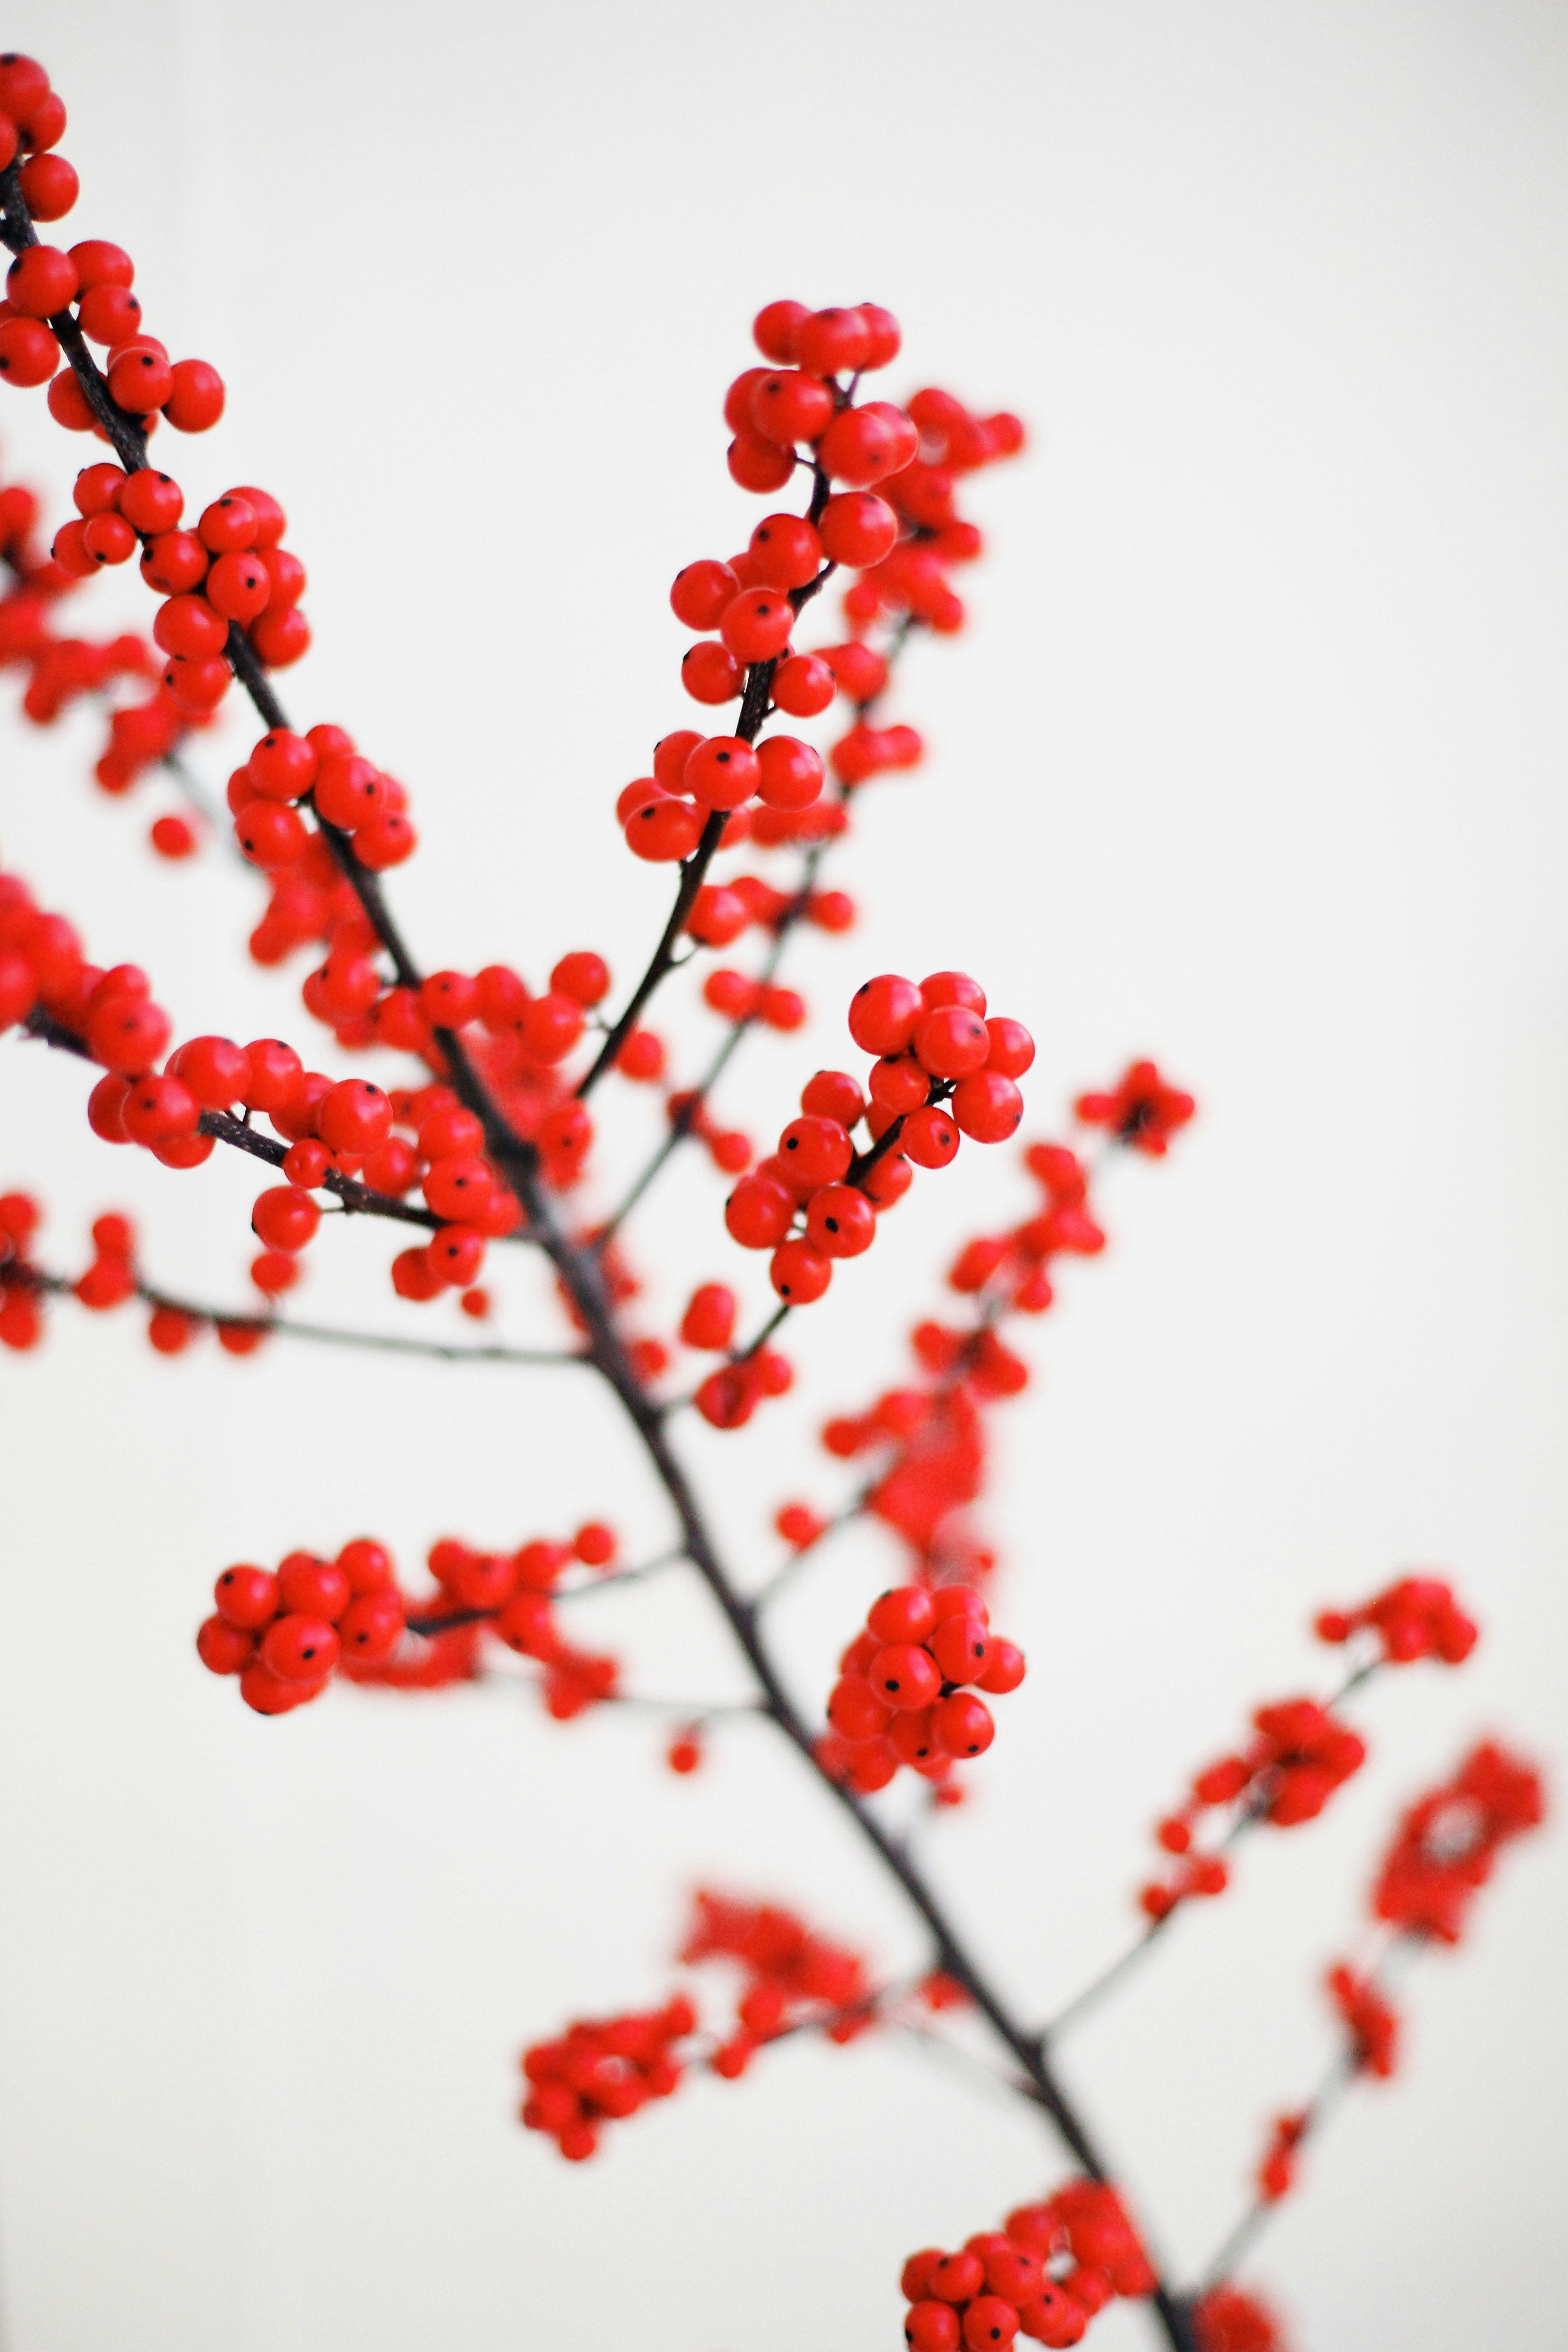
[93,280]
[1227,2320]
[61,669]
[1302,1754]
[322,769]
[1417,1618]
[1448,1843]
[601,2070]
[293,1629]
[933,538]
[283,1633]
[815,1198]
[231,571]
[1142,1112]
[1044,2276]
[903,1694]
[793,1975]
[1370,2020]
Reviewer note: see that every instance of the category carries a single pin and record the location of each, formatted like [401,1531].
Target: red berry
[285,1218]
[840,1220]
[989,2323]
[702,592]
[140,380]
[222,1648]
[722,773]
[1012,1048]
[1004,1668]
[28,352]
[756,625]
[710,1317]
[758,1212]
[773,331]
[786,553]
[962,1648]
[904,1675]
[832,343]
[711,674]
[799,1273]
[857,530]
[195,399]
[788,406]
[312,1587]
[816,1151]
[755,462]
[952,1043]
[792,772]
[354,1116]
[299,1649]
[246,1596]
[963,1725]
[40,281]
[863,445]
[987,1105]
[932,2326]
[834,1094]
[884,1013]
[804,685]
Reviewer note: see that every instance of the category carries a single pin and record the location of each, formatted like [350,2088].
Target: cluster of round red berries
[1302,1754]
[230,571]
[344,790]
[903,1694]
[1370,2020]
[793,1975]
[1417,1618]
[601,2070]
[1044,2276]
[93,278]
[741,999]
[1227,2320]
[314,1616]
[1140,1110]
[914,577]
[1448,1843]
[283,1633]
[107,1282]
[940,1047]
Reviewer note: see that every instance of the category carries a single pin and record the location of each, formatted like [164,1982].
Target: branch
[1329,2096]
[1247,1819]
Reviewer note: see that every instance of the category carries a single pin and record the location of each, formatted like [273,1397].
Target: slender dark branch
[663,958]
[789,1567]
[27,1276]
[686,1118]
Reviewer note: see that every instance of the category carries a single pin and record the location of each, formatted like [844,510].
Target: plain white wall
[1254,759]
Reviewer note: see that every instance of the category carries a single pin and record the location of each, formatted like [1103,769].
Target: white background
[1253,758]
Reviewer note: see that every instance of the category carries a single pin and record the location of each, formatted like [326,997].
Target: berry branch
[495,1132]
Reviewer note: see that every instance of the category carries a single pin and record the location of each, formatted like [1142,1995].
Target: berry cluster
[792,1976]
[1045,2276]
[1417,1618]
[21,1316]
[284,1635]
[1448,1843]
[816,1198]
[903,1694]
[1369,2018]
[1142,1111]
[601,2070]
[230,571]
[87,289]
[1286,1775]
